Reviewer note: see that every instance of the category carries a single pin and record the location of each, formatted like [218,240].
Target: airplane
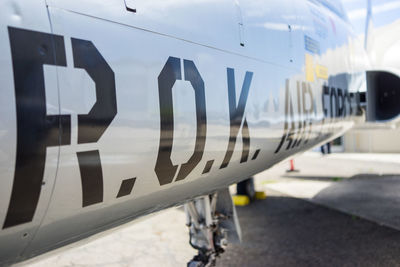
[115,109]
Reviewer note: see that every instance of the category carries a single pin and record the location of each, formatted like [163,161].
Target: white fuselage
[109,114]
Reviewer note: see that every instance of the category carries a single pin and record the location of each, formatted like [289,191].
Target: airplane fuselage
[111,110]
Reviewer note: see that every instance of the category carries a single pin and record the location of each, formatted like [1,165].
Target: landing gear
[246,188]
[212,223]
[246,193]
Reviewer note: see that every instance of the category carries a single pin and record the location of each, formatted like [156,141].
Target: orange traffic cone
[292,169]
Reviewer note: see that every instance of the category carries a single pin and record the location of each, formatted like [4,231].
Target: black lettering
[36,130]
[287,132]
[236,115]
[325,92]
[164,168]
[256,154]
[193,76]
[246,142]
[91,126]
[345,104]
[126,187]
[308,111]
[91,177]
[334,101]
[171,72]
[299,134]
[208,166]
[341,102]
[350,100]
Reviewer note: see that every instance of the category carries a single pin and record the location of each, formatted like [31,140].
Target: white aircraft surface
[116,109]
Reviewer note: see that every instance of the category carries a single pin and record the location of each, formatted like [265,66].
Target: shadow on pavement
[375,197]
[284,231]
[314,178]
[330,178]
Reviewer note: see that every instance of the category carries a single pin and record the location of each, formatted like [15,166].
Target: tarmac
[335,210]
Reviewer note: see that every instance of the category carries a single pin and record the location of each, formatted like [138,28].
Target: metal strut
[212,223]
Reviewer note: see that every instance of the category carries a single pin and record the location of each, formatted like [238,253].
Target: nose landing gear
[212,223]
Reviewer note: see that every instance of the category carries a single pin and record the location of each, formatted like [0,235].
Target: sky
[383,12]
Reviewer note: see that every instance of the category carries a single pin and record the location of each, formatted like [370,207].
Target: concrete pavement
[366,185]
[286,231]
